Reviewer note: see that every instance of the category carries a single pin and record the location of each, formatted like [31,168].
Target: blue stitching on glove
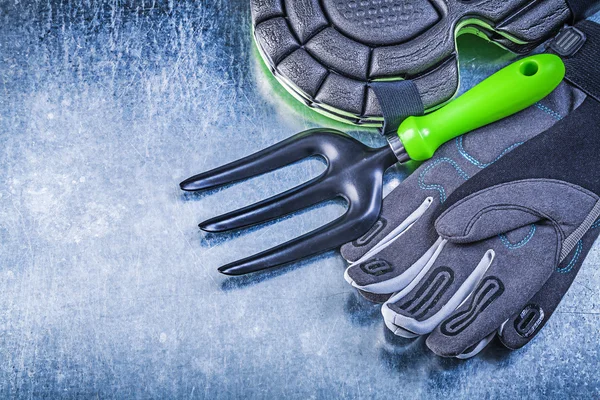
[440,188]
[521,243]
[549,111]
[573,261]
[477,163]
[578,249]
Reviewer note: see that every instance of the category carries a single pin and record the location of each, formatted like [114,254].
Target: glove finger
[523,262]
[400,208]
[441,286]
[525,325]
[395,264]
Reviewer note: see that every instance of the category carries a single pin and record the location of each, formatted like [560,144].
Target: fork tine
[276,156]
[297,198]
[343,229]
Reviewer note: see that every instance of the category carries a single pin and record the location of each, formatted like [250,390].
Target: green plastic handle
[512,89]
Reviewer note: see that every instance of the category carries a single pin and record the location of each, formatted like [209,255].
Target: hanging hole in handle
[529,68]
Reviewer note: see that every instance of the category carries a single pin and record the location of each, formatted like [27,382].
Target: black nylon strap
[580,9]
[398,100]
[582,67]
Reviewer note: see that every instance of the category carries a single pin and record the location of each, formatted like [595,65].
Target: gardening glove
[463,263]
[512,240]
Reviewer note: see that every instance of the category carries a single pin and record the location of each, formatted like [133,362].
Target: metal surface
[108,288]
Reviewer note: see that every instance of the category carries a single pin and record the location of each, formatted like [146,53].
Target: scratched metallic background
[107,287]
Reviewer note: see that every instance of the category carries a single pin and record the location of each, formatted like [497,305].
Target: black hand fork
[354,172]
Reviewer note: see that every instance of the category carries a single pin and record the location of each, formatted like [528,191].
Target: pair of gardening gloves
[485,238]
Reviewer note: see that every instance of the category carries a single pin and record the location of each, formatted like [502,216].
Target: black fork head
[354,172]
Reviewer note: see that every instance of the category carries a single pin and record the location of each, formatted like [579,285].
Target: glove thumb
[512,205]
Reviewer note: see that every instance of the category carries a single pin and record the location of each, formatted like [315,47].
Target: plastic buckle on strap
[568,41]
